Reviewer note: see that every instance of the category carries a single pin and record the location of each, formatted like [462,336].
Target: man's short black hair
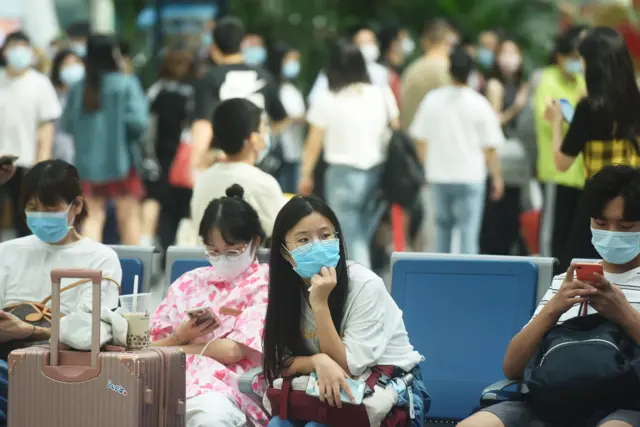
[613,181]
[234,120]
[17,36]
[79,29]
[461,64]
[228,35]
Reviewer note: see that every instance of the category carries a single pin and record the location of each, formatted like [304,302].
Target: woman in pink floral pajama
[219,351]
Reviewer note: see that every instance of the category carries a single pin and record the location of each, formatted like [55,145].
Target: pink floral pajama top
[246,299]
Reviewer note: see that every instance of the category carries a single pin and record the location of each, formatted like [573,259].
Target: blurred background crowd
[169,57]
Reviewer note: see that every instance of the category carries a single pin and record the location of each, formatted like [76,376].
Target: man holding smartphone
[612,198]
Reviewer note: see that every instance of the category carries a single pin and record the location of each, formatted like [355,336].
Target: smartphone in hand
[358,389]
[585,271]
[202,315]
[567,110]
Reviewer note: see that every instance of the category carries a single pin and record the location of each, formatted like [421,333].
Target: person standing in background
[107,116]
[508,93]
[396,47]
[28,108]
[171,107]
[78,34]
[366,40]
[431,71]
[457,132]
[563,79]
[284,64]
[231,78]
[254,50]
[486,52]
[67,70]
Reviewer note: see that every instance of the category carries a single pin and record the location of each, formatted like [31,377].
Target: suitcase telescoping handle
[82,273]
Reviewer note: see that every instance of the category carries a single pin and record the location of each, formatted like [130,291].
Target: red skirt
[130,186]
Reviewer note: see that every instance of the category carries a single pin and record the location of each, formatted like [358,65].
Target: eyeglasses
[231,254]
[305,243]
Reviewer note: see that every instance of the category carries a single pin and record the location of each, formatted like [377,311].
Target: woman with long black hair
[605,126]
[107,117]
[328,315]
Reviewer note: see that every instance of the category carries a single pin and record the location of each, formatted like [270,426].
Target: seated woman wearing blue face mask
[328,315]
[53,204]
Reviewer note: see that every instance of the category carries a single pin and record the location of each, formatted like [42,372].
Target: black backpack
[403,174]
[583,367]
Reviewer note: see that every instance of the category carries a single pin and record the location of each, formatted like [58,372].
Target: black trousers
[559,213]
[579,242]
[12,192]
[501,223]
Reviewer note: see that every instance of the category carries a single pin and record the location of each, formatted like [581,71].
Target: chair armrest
[497,392]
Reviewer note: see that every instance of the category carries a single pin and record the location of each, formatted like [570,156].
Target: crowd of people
[243,133]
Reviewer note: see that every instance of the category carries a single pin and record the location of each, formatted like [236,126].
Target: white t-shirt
[292,138]
[261,191]
[628,282]
[379,75]
[372,329]
[26,264]
[26,102]
[457,123]
[356,123]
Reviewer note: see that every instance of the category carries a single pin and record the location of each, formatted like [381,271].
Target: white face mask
[509,63]
[371,52]
[228,269]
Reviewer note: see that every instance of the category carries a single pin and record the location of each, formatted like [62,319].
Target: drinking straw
[134,309]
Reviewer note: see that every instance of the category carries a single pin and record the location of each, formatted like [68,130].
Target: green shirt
[555,85]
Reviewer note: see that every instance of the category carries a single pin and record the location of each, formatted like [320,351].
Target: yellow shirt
[554,85]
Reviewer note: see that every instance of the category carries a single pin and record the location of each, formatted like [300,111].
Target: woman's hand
[321,286]
[331,378]
[522,97]
[553,112]
[190,330]
[571,292]
[305,186]
[12,328]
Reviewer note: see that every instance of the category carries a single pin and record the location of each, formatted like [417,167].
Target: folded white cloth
[75,328]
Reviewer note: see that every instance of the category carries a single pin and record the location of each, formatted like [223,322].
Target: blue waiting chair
[460,313]
[183,259]
[135,261]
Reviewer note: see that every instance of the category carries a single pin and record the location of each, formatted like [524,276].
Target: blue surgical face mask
[408,46]
[72,74]
[20,57]
[79,49]
[573,66]
[50,227]
[291,69]
[616,247]
[485,57]
[310,258]
[254,55]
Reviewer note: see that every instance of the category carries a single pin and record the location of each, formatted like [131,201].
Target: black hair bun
[235,190]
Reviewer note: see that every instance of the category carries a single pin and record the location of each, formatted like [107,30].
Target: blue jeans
[277,422]
[458,206]
[350,192]
[4,392]
[288,177]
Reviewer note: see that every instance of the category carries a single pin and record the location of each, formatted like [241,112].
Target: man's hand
[497,188]
[6,172]
[571,292]
[12,328]
[610,301]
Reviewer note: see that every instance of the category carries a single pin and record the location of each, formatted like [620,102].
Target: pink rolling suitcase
[52,387]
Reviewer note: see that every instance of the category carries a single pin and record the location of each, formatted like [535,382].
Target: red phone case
[585,272]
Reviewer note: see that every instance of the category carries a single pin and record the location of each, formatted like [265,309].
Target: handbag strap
[78,283]
[284,397]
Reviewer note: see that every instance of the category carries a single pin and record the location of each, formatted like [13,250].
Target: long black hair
[346,66]
[497,73]
[101,59]
[611,81]
[275,60]
[282,338]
